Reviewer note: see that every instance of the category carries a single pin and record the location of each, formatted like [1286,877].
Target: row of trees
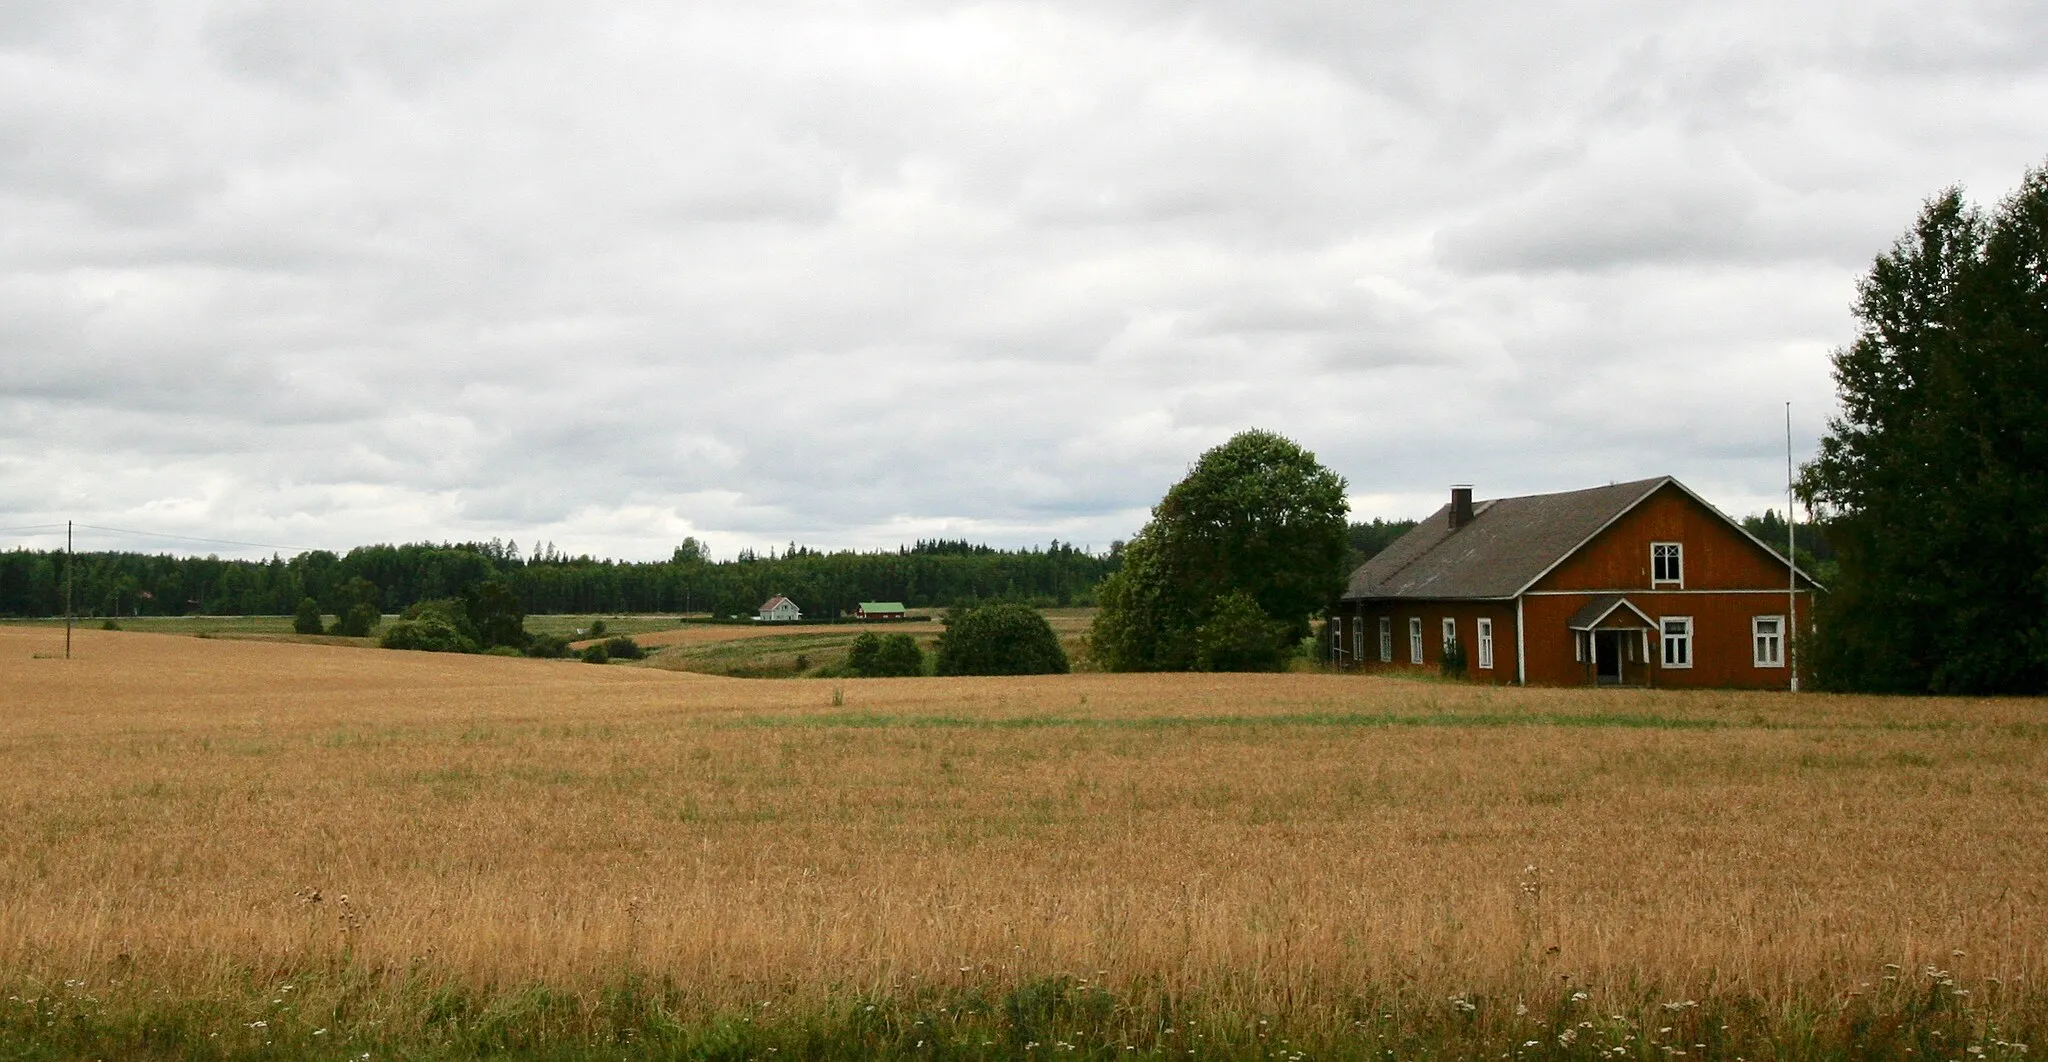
[929,574]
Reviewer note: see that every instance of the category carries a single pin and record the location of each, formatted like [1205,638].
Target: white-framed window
[1415,639]
[1677,640]
[1337,639]
[1667,563]
[1450,634]
[1485,643]
[1767,639]
[1386,639]
[1357,638]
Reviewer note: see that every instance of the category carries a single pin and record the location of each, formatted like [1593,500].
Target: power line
[32,527]
[196,538]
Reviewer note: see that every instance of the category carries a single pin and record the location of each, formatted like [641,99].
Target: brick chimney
[1461,505]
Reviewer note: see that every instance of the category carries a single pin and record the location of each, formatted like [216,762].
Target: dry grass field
[214,848]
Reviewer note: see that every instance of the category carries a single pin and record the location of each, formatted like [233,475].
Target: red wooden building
[1635,584]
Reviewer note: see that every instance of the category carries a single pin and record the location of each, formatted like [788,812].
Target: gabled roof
[881,606]
[1508,545]
[778,600]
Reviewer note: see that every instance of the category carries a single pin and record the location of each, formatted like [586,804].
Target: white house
[779,609]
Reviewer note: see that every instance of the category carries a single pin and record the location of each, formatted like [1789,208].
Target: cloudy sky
[856,272]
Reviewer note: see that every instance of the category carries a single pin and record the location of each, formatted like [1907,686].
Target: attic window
[1667,563]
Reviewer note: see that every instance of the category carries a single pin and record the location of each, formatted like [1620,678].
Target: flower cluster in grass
[349,1011]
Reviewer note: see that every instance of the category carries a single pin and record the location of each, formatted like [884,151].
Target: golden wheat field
[205,815]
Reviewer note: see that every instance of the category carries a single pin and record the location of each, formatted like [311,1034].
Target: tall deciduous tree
[1259,525]
[1935,476]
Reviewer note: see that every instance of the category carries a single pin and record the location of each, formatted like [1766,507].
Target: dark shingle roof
[1509,542]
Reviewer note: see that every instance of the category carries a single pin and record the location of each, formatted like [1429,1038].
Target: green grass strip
[1377,720]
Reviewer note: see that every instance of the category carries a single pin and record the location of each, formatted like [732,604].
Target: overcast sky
[852,273]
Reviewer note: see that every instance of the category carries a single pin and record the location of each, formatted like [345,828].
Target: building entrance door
[1607,657]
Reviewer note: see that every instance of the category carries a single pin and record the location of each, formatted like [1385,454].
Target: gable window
[1767,637]
[1486,643]
[1415,639]
[1386,639]
[1667,563]
[1677,641]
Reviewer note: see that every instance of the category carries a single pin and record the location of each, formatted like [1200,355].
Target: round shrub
[358,621]
[307,620]
[596,654]
[620,647]
[429,634]
[1000,639]
[549,646]
[1240,637]
[894,656]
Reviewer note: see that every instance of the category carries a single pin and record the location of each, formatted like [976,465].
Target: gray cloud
[333,273]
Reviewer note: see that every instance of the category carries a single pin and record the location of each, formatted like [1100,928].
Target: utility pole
[1791,561]
[70,566]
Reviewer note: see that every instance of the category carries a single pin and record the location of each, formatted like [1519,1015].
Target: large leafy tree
[1935,475]
[1255,533]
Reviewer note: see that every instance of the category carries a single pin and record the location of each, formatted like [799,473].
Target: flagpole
[1791,560]
[69,564]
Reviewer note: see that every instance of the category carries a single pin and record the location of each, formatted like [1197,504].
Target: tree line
[927,574]
[1933,481]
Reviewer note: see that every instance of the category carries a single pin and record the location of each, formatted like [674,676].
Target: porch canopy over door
[1612,615]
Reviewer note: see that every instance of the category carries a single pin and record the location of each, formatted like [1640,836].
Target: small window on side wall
[1386,639]
[1667,564]
[1415,639]
[1486,643]
[1767,638]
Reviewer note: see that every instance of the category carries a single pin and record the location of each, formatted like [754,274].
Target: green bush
[893,656]
[548,646]
[597,628]
[307,620]
[429,633]
[999,639]
[620,647]
[1238,636]
[446,609]
[1453,665]
[110,625]
[596,654]
[502,650]
[358,621]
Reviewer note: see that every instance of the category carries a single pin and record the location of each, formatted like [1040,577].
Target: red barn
[1634,584]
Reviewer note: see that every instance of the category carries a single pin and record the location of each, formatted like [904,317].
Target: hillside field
[229,848]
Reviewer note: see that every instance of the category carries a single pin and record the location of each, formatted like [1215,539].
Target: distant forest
[928,574]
